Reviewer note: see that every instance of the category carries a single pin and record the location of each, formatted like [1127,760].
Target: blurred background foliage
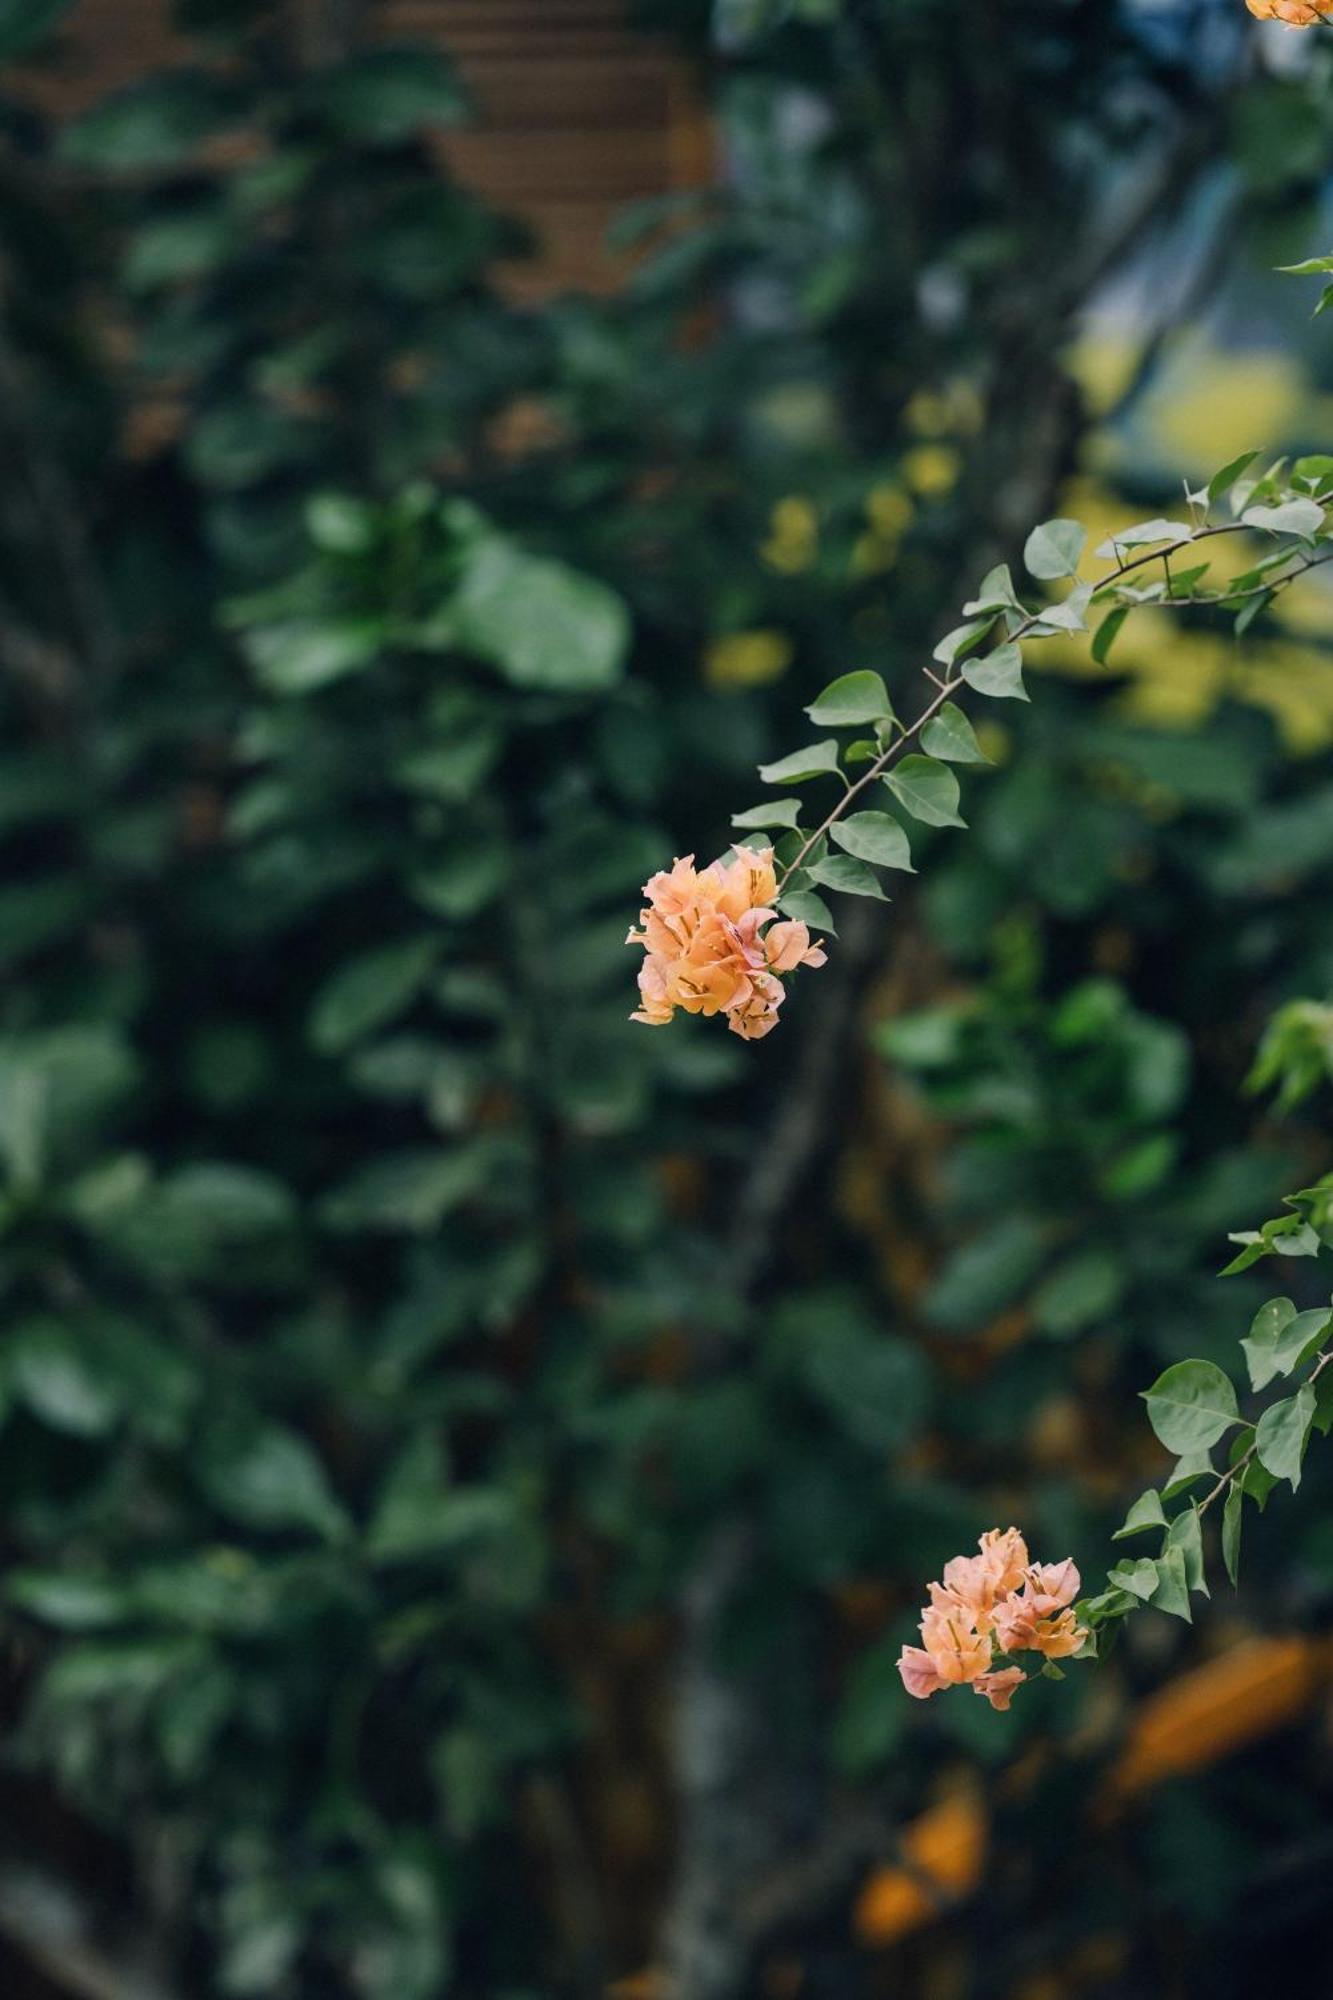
[468,1464]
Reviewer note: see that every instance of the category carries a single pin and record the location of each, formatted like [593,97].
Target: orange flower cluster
[713,946]
[1294,13]
[988,1605]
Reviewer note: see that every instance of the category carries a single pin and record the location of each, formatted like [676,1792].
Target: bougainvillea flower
[959,1651]
[1007,1554]
[921,1676]
[1052,1585]
[713,943]
[788,945]
[991,1604]
[999,1687]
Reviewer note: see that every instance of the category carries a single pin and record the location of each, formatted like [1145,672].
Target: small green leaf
[1191,1405]
[847,876]
[995,593]
[1232,1516]
[808,908]
[927,789]
[963,639]
[999,673]
[858,697]
[369,991]
[1107,633]
[1189,1467]
[817,760]
[1172,1593]
[1222,482]
[1139,1578]
[1280,1338]
[1054,549]
[1143,534]
[1282,1434]
[1186,1534]
[874,836]
[950,736]
[782,812]
[1147,1512]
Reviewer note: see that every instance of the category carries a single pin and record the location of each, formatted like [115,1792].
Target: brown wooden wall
[578,115]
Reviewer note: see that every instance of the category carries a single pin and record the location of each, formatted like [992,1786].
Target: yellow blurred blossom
[927,413]
[932,469]
[793,540]
[747,659]
[955,408]
[889,510]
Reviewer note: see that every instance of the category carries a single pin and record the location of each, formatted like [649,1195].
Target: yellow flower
[933,469]
[747,659]
[793,541]
[889,510]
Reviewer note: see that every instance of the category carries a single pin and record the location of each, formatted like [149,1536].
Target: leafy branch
[984,655]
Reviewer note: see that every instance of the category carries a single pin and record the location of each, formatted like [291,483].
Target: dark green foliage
[382,1335]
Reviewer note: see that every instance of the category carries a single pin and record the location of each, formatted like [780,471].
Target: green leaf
[341,524]
[874,836]
[1139,1578]
[808,908]
[387,95]
[1189,1467]
[999,673]
[57,1375]
[1054,549]
[370,991]
[950,736]
[1069,616]
[847,876]
[1186,1534]
[782,812]
[266,1477]
[301,655]
[155,124]
[1143,534]
[1232,1516]
[1292,517]
[927,789]
[1284,1236]
[1191,1405]
[963,639]
[994,593]
[858,697]
[1309,269]
[817,760]
[1147,1512]
[410,1192]
[1172,1594]
[1282,1434]
[1107,633]
[1280,1338]
[540,623]
[1221,482]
